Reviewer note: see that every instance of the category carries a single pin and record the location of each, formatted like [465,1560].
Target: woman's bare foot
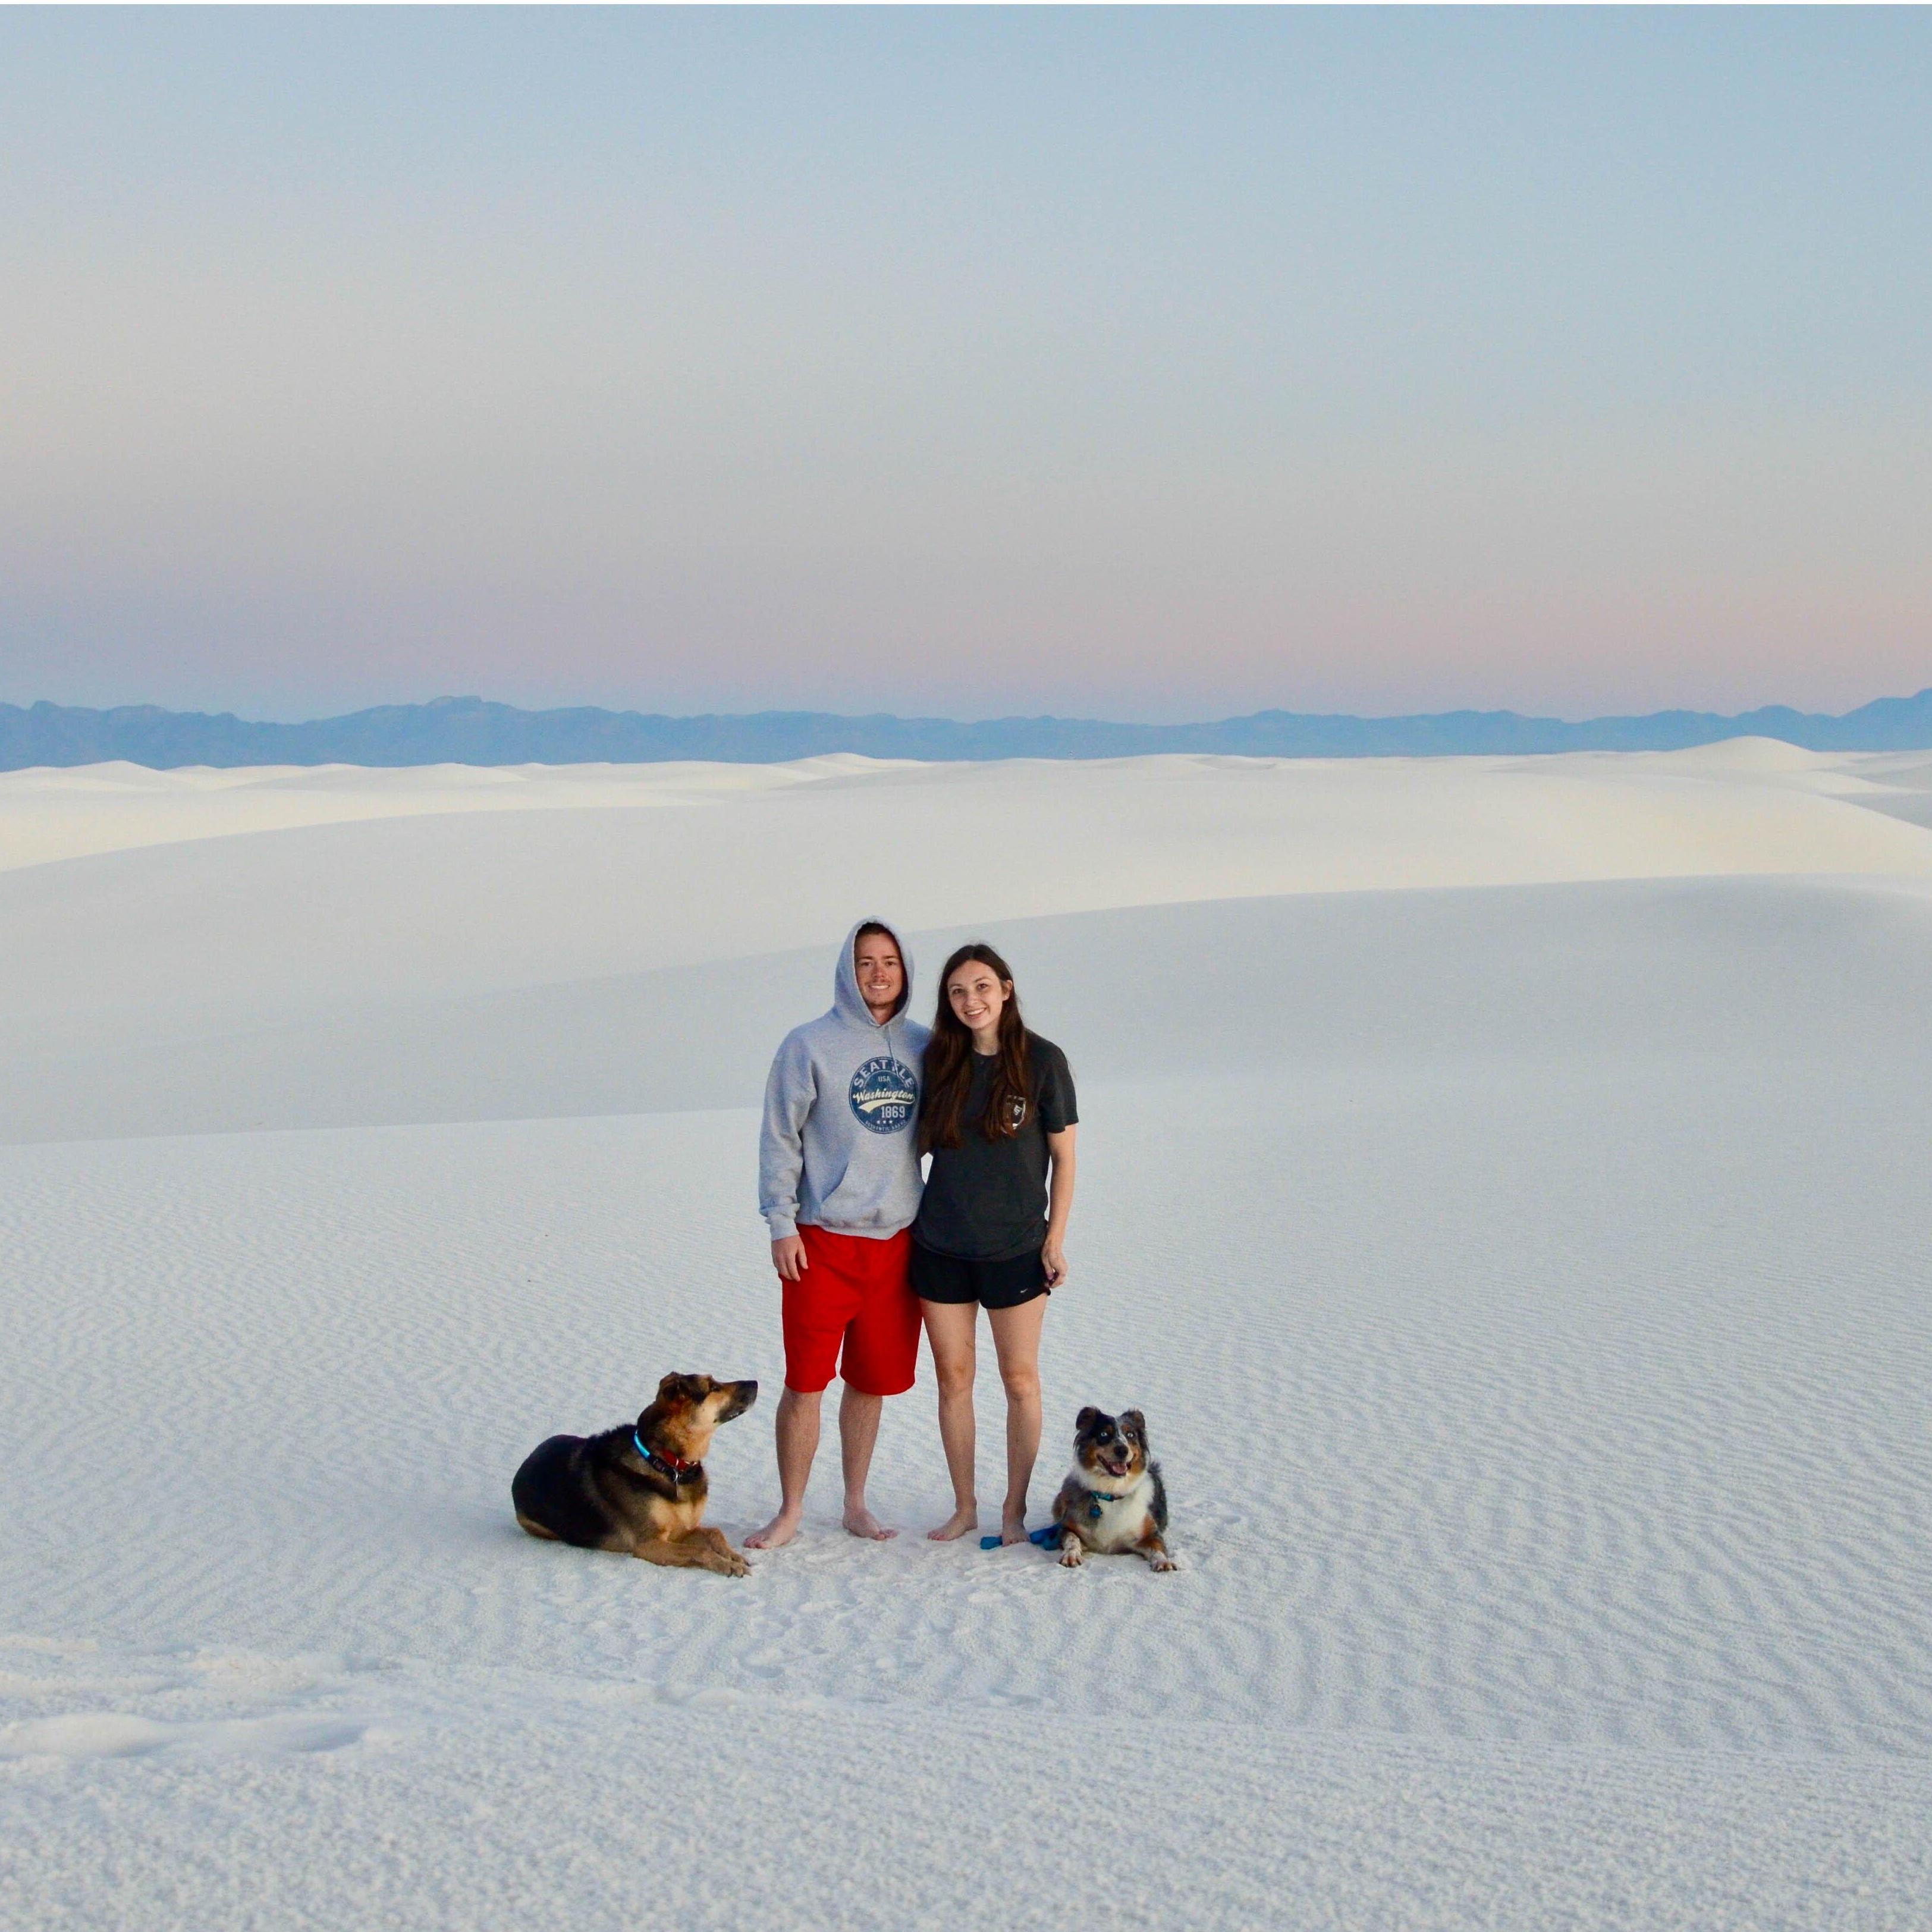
[859,1521]
[776,1534]
[1013,1528]
[965,1517]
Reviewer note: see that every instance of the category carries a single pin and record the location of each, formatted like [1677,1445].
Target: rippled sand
[1523,1271]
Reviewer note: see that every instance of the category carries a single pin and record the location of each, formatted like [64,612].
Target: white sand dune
[1523,1270]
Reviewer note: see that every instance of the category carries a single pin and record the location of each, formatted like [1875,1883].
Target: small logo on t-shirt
[884,1094]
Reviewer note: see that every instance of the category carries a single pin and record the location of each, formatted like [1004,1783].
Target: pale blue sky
[1136,364]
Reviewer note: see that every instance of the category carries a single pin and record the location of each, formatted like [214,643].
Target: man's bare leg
[949,1328]
[859,1415]
[1016,1336]
[797,1433]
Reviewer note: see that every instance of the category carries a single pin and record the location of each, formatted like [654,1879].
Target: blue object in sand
[1048,1538]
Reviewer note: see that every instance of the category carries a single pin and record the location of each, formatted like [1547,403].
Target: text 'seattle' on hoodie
[838,1148]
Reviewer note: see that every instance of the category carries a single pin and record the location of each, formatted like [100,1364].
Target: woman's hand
[1060,1204]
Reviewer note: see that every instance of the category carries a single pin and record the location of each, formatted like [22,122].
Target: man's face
[881,974]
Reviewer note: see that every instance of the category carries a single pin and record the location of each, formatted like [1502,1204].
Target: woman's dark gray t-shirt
[986,1201]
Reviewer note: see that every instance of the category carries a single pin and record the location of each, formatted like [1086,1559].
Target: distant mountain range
[470,731]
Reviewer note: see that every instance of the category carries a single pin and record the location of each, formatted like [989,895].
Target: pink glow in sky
[1134,365]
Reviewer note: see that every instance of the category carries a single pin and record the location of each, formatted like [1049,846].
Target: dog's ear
[676,1388]
[1085,1419]
[1134,1423]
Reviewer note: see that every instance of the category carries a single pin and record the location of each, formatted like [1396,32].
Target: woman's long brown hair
[949,1063]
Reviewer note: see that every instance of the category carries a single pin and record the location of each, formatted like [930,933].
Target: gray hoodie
[838,1148]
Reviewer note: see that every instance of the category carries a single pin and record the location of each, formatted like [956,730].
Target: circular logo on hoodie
[884,1094]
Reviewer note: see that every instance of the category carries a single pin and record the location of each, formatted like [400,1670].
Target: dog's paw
[1071,1557]
[1162,1563]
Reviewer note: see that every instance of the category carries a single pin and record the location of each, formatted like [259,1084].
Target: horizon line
[448,700]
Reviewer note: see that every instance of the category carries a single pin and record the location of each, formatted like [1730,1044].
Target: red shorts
[855,1292]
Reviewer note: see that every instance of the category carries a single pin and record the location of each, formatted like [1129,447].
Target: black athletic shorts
[991,1284]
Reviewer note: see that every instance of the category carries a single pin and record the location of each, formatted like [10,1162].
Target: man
[838,1186]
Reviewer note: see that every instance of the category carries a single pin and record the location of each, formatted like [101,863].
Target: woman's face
[977,994]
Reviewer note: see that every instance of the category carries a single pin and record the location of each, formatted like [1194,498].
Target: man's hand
[788,1258]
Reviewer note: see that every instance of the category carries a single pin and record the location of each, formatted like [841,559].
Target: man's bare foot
[1012,1529]
[776,1534]
[861,1521]
[965,1517]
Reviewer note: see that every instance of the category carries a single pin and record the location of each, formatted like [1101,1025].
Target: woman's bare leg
[1016,1336]
[949,1327]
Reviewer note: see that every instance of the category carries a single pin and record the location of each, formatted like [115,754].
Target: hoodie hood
[848,1002]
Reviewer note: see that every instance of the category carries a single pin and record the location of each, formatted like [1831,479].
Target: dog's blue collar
[1096,1498]
[668,1466]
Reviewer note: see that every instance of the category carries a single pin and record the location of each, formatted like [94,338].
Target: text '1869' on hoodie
[839,1146]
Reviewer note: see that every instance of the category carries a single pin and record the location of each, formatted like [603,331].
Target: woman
[998,1116]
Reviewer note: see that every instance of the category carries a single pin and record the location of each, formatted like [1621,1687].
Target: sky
[1145,364]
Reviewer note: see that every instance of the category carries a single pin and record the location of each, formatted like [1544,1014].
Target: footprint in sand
[92,1734]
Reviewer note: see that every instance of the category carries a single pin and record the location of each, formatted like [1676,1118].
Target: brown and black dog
[638,1490]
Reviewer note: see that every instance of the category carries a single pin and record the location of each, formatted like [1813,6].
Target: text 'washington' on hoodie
[838,1148]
